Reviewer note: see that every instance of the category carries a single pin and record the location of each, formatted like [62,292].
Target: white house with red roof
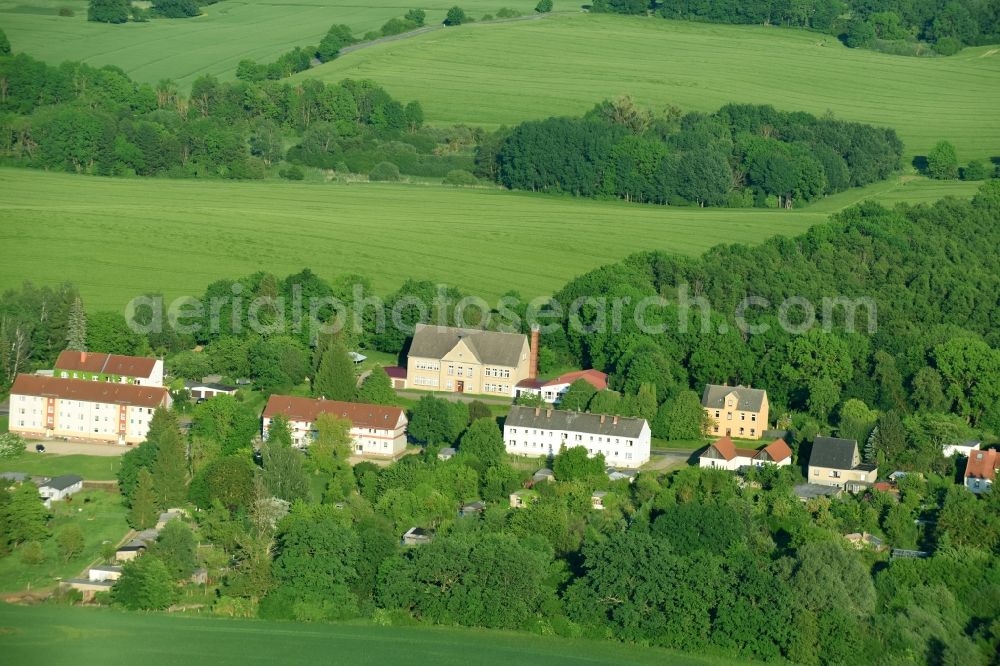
[552,390]
[981,470]
[83,409]
[140,370]
[377,431]
[724,454]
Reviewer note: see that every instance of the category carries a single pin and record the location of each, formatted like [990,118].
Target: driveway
[61,448]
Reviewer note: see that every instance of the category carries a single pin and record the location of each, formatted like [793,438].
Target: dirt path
[432,28]
[61,448]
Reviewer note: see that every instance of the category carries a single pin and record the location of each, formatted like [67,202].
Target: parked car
[39,448]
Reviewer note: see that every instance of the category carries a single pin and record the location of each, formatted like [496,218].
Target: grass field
[84,636]
[101,519]
[504,73]
[227,32]
[116,239]
[91,468]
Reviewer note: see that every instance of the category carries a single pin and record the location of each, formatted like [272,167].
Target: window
[743,417]
[729,416]
[451,371]
[716,413]
[468,372]
[753,431]
[741,431]
[753,418]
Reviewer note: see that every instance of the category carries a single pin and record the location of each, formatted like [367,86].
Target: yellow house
[466,360]
[735,411]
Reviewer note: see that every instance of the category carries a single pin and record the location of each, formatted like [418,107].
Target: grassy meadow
[213,43]
[85,636]
[91,468]
[493,74]
[118,238]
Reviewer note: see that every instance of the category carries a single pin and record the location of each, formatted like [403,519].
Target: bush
[108,11]
[397,26]
[11,445]
[176,8]
[460,177]
[507,12]
[543,6]
[66,11]
[384,171]
[456,16]
[292,173]
[947,46]
[975,170]
[417,16]
[32,553]
[370,36]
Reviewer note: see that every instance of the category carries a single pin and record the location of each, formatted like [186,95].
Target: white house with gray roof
[467,360]
[535,431]
[735,411]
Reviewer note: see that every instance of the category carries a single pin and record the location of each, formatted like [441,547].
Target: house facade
[837,462]
[116,368]
[536,431]
[377,431]
[735,411]
[47,407]
[464,360]
[981,470]
[724,454]
[551,391]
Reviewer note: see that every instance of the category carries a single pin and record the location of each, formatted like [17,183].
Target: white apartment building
[378,431]
[536,431]
[140,370]
[47,407]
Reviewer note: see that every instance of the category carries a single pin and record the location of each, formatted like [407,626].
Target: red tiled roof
[395,372]
[725,447]
[531,383]
[595,378]
[307,409]
[777,450]
[983,464]
[89,391]
[110,364]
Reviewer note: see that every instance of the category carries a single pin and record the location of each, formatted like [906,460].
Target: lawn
[91,468]
[227,32]
[117,238]
[101,519]
[492,74]
[83,636]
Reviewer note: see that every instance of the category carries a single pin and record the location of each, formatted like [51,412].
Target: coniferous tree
[376,389]
[76,336]
[170,467]
[335,379]
[143,513]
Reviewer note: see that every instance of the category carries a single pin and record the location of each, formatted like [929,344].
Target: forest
[741,155]
[891,25]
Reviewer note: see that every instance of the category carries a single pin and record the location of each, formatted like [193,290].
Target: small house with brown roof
[92,366]
[724,454]
[981,470]
[377,431]
[46,407]
[551,391]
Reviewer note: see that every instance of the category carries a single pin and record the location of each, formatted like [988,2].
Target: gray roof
[748,399]
[489,347]
[20,477]
[812,490]
[558,419]
[63,482]
[209,385]
[833,452]
[107,567]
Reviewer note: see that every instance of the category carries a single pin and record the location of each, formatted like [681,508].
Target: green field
[118,238]
[60,635]
[91,468]
[101,519]
[227,32]
[504,73]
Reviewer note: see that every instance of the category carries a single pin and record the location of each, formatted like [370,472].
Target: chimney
[602,419]
[83,357]
[614,420]
[533,351]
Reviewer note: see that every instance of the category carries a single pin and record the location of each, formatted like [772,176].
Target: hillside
[227,32]
[493,74]
[116,238]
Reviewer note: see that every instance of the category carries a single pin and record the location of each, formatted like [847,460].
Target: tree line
[946,24]
[741,155]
